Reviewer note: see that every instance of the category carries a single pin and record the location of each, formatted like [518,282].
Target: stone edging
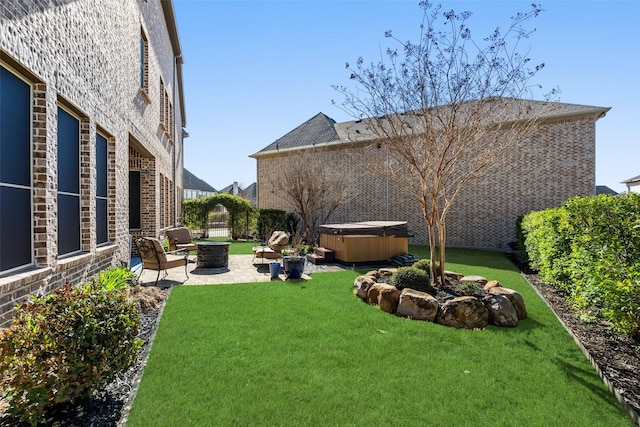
[630,411]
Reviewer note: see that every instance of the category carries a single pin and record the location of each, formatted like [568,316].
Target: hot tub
[363,242]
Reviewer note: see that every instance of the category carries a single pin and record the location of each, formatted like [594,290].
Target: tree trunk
[442,236]
[432,253]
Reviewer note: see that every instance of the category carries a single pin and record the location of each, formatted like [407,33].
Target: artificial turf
[311,353]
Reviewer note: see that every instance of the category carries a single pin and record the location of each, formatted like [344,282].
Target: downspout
[175,143]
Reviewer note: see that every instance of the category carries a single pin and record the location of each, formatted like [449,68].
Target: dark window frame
[69,197]
[102,188]
[135,199]
[16,182]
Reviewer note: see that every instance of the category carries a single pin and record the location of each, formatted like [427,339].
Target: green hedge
[590,247]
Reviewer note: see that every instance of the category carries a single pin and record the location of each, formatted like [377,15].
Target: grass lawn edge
[623,402]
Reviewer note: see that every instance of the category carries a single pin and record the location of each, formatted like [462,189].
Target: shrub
[547,246]
[468,287]
[270,220]
[423,264]
[590,247]
[116,278]
[411,277]
[66,345]
[521,248]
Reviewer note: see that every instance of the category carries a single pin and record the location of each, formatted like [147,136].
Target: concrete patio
[240,270]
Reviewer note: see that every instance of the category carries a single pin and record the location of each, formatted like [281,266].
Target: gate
[218,222]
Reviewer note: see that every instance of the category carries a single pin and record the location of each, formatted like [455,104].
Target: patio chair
[272,249]
[180,238]
[154,257]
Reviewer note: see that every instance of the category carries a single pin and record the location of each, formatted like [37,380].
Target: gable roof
[250,192]
[317,130]
[192,182]
[633,180]
[603,189]
[323,129]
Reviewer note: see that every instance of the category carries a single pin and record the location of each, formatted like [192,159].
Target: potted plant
[293,266]
[293,262]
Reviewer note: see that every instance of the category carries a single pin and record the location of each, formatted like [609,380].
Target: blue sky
[254,71]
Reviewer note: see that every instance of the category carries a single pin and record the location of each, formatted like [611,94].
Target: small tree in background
[270,220]
[311,190]
[195,215]
[446,110]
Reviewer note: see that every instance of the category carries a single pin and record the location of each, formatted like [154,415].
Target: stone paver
[241,270]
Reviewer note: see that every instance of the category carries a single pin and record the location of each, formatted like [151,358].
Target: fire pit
[213,254]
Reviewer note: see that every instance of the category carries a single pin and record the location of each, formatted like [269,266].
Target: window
[166,112]
[163,107]
[102,168]
[144,61]
[68,183]
[16,216]
[135,218]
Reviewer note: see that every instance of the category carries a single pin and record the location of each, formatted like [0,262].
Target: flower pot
[293,266]
[274,270]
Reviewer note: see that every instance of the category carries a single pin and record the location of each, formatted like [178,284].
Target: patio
[240,270]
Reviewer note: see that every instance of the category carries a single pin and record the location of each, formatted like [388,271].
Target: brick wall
[556,163]
[86,55]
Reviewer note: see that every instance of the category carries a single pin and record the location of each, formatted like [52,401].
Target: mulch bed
[617,356]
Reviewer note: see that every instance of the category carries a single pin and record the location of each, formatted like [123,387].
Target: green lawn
[237,247]
[311,353]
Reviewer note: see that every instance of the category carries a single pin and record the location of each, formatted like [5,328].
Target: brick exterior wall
[558,162]
[85,55]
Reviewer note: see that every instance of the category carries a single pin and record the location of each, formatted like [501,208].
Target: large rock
[387,272]
[491,284]
[361,286]
[453,275]
[417,305]
[515,298]
[373,273]
[478,279]
[384,295]
[388,298]
[501,311]
[463,312]
[373,292]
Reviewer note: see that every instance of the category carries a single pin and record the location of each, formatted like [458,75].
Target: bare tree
[311,190]
[448,110]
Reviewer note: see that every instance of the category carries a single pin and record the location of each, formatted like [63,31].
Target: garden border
[635,417]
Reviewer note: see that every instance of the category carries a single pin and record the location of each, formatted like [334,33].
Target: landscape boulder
[515,298]
[417,305]
[361,286]
[452,275]
[491,284]
[501,310]
[388,298]
[478,279]
[464,312]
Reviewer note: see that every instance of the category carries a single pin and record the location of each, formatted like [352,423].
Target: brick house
[557,162]
[91,137]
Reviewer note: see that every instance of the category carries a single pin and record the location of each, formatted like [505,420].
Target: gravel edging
[142,360]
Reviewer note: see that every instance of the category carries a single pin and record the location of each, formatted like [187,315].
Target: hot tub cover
[368,228]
